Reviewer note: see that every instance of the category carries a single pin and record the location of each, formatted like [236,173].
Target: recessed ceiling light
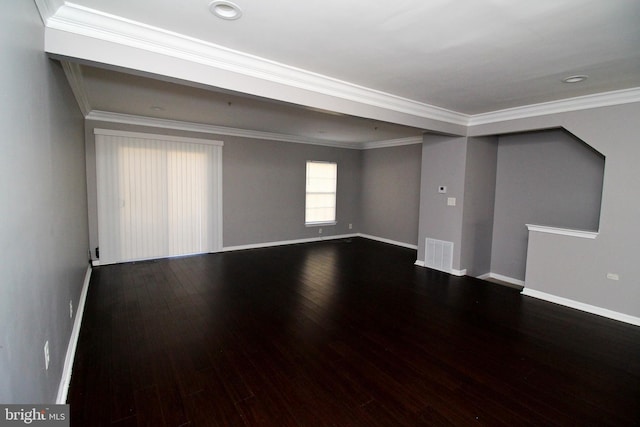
[225,9]
[574,79]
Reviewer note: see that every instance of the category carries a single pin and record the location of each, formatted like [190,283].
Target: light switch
[451,201]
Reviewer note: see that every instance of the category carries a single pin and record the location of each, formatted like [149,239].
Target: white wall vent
[439,255]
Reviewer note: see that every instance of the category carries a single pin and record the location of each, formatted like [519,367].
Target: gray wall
[43,207]
[545,178]
[576,268]
[443,163]
[479,199]
[264,190]
[263,186]
[391,192]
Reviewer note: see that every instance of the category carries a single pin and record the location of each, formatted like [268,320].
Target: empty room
[238,213]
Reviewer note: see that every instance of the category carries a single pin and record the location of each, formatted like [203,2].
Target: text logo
[36,415]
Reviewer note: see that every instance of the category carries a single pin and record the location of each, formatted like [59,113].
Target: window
[322,178]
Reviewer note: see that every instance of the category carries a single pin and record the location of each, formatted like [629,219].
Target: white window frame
[334,192]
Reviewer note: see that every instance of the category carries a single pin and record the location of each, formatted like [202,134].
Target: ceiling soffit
[95,37]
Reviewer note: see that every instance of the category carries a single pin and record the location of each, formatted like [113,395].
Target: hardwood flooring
[340,333]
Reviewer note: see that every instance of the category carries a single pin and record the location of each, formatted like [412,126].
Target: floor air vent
[439,255]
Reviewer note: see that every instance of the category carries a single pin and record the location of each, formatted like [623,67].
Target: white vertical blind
[322,178]
[158,196]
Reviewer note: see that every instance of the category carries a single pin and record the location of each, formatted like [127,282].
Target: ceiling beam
[89,36]
[78,34]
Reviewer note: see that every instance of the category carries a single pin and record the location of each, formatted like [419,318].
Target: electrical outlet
[319,230]
[71,309]
[46,355]
[350,226]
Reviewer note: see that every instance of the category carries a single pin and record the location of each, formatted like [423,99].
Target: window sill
[319,224]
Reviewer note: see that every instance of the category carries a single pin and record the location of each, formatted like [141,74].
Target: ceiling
[467,56]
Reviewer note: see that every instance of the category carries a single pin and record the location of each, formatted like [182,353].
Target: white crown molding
[129,119]
[604,99]
[74,77]
[142,135]
[48,8]
[83,21]
[105,116]
[562,231]
[392,143]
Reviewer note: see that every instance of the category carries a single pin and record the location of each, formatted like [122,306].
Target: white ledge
[563,231]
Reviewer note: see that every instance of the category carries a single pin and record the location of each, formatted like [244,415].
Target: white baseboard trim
[316,239]
[65,380]
[453,272]
[391,242]
[582,306]
[502,278]
[286,242]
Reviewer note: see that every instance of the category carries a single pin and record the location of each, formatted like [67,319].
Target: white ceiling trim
[605,99]
[155,136]
[47,8]
[74,77]
[392,142]
[109,117]
[83,21]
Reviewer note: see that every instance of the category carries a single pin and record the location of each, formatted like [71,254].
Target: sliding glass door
[158,196]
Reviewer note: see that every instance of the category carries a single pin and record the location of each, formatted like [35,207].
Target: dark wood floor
[342,333]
